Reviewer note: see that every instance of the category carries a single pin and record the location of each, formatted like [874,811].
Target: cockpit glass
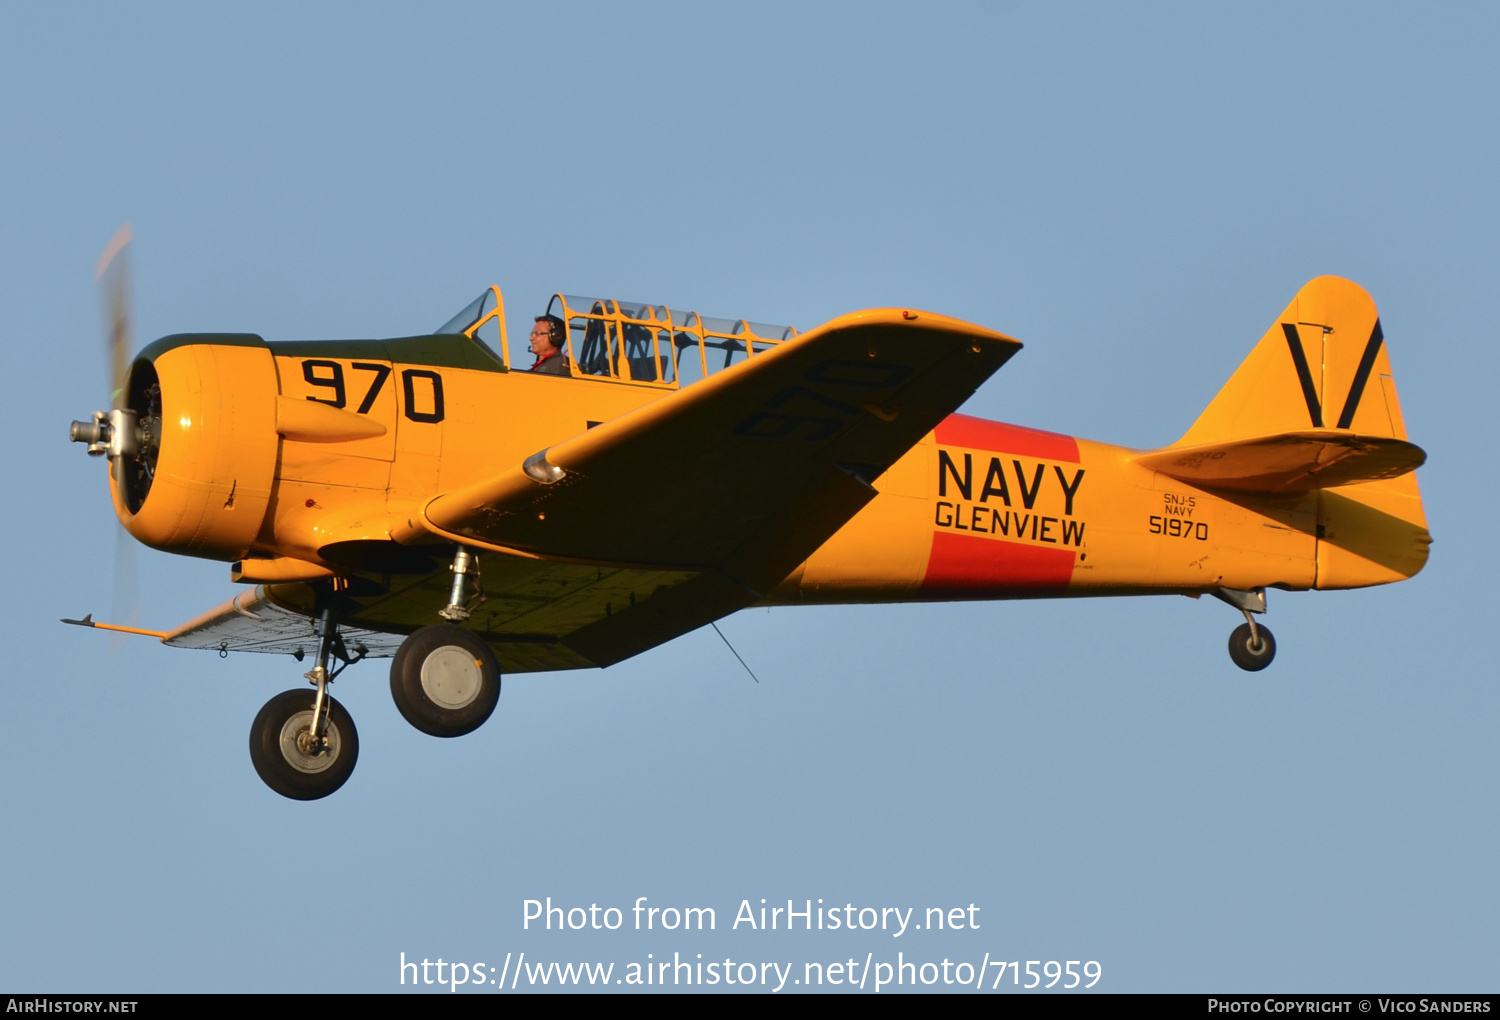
[628,341]
[644,342]
[472,313]
[766,331]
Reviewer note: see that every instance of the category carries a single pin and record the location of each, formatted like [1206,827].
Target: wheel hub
[302,750]
[452,678]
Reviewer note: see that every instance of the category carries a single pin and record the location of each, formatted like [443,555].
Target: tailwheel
[445,680]
[1252,647]
[291,755]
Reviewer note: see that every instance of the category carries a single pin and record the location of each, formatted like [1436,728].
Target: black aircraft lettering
[1028,496]
[1068,490]
[989,521]
[965,484]
[409,379]
[1361,376]
[333,381]
[997,474]
[1304,374]
[1356,388]
[382,373]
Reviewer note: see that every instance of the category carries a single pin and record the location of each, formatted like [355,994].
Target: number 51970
[1176,527]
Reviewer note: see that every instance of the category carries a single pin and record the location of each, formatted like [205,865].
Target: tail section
[1323,364]
[1314,407]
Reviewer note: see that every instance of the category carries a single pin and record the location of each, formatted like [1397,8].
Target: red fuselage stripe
[978,434]
[963,563]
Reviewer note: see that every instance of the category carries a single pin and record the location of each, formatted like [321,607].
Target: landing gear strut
[457,609]
[1251,646]
[305,748]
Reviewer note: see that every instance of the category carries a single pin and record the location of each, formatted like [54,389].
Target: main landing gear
[305,746]
[445,681]
[1251,646]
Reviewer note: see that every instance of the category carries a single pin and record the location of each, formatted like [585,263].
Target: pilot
[547,339]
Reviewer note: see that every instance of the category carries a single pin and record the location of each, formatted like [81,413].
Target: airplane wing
[688,481]
[732,482]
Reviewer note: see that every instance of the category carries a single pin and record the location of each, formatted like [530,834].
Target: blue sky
[1134,192]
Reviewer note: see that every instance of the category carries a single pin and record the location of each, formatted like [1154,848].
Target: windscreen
[472,313]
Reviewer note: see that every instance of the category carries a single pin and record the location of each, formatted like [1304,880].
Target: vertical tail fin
[1323,365]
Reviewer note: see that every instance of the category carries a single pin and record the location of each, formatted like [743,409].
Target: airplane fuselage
[977,509]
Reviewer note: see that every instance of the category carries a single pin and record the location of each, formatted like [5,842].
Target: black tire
[1246,657]
[284,766]
[445,681]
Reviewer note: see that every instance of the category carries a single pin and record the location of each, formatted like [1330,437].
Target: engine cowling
[201,481]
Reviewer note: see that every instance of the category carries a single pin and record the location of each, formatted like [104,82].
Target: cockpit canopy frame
[629,341]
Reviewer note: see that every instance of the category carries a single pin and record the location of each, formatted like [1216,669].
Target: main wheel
[283,753]
[1248,654]
[445,680]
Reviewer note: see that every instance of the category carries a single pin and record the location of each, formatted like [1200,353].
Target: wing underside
[254,621]
[530,612]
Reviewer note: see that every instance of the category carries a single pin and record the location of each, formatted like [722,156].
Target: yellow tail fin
[1322,371]
[1322,365]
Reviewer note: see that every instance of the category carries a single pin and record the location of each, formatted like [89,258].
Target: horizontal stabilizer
[1287,462]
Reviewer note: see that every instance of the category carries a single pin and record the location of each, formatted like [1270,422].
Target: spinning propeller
[116,433]
[113,276]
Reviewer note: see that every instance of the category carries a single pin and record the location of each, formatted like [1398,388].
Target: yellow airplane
[423,498]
